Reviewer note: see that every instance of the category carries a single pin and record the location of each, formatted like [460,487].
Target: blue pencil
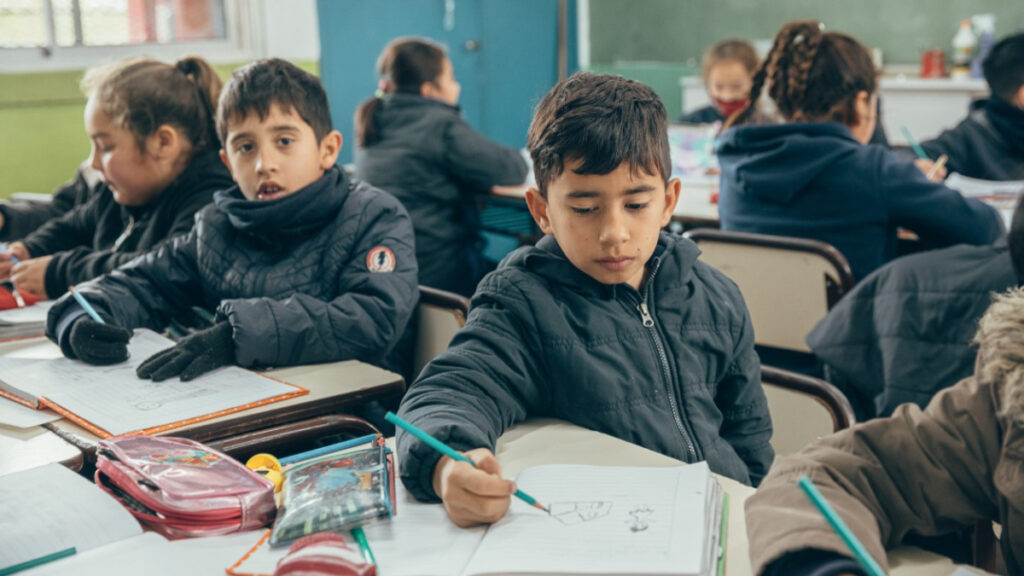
[451,453]
[913,144]
[859,552]
[85,304]
[14,259]
[336,447]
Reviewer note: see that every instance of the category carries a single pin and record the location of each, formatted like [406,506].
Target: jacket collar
[674,255]
[293,217]
[400,100]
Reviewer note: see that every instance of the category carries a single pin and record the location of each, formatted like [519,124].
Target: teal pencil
[913,144]
[85,304]
[859,552]
[451,453]
[364,544]
[37,561]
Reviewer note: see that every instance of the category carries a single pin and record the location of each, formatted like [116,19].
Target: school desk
[333,388]
[537,442]
[24,448]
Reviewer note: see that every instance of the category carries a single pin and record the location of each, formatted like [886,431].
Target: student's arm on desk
[487,381]
[939,215]
[928,472]
[365,320]
[479,162]
[20,218]
[147,292]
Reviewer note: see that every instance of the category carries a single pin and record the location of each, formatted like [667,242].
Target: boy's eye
[583,210]
[285,141]
[637,206]
[244,148]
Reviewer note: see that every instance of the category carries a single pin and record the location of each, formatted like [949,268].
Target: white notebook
[24,322]
[112,400]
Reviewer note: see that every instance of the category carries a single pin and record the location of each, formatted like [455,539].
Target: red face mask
[730,107]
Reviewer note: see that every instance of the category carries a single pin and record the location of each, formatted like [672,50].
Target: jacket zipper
[648,322]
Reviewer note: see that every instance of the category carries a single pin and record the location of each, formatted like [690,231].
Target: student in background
[413,143]
[607,322]
[917,473]
[813,176]
[19,218]
[904,333]
[302,264]
[989,143]
[728,69]
[153,139]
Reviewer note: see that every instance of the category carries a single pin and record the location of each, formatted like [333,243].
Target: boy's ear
[1018,101]
[224,159]
[539,210]
[330,147]
[672,190]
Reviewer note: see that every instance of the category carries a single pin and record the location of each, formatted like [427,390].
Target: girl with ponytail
[814,176]
[151,125]
[412,142]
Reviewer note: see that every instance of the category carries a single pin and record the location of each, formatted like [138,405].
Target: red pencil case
[181,488]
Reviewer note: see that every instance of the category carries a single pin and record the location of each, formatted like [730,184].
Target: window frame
[243,23]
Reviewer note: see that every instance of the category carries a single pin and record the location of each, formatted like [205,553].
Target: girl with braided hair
[814,176]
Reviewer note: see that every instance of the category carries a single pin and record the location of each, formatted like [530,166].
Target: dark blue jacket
[439,168]
[544,339]
[293,276]
[813,180]
[988,144]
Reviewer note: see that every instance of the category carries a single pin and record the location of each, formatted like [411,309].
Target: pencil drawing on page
[570,513]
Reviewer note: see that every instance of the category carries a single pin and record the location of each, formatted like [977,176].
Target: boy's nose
[265,163]
[94,160]
[614,229]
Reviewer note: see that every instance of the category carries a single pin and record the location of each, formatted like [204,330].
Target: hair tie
[382,88]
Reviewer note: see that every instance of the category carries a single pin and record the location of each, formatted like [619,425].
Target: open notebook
[112,400]
[605,520]
[24,322]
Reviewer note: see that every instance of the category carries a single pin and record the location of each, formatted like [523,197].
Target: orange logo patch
[380,259]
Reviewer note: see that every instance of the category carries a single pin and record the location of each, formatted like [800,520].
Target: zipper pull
[645,314]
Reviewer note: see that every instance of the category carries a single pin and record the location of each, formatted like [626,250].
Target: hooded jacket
[438,167]
[928,472]
[813,180]
[545,339]
[101,235]
[988,144]
[325,274]
[904,333]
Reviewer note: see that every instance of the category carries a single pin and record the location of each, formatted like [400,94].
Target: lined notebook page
[605,520]
[50,508]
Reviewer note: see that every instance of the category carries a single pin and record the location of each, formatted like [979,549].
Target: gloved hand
[193,356]
[96,343]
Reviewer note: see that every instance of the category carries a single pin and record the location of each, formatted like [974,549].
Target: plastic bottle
[963,46]
[986,26]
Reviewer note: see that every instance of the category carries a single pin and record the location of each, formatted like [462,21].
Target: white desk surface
[24,448]
[534,443]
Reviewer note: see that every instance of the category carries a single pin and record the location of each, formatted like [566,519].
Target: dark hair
[729,51]
[603,120]
[405,65]
[812,76]
[142,94]
[260,85]
[1004,67]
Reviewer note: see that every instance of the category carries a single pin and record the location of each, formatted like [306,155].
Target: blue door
[504,52]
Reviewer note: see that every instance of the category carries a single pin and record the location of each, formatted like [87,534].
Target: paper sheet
[18,416]
[116,400]
[605,520]
[34,314]
[50,508]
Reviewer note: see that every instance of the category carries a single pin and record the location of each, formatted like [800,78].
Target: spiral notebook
[112,400]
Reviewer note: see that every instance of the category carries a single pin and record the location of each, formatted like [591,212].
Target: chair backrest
[439,316]
[803,408]
[789,284]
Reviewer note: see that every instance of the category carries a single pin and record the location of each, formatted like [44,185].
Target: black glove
[193,356]
[96,343]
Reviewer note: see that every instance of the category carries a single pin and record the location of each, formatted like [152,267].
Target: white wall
[290,30]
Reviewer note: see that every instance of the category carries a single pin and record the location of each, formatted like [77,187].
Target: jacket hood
[285,219]
[676,256]
[1000,340]
[776,162]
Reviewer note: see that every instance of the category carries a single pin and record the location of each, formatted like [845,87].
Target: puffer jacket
[325,274]
[929,472]
[439,168]
[101,235]
[671,368]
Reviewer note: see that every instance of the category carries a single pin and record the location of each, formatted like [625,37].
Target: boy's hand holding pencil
[473,495]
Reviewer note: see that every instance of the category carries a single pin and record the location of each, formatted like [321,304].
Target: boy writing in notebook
[302,264]
[607,322]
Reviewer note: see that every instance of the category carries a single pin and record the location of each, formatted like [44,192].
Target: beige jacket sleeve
[926,472]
